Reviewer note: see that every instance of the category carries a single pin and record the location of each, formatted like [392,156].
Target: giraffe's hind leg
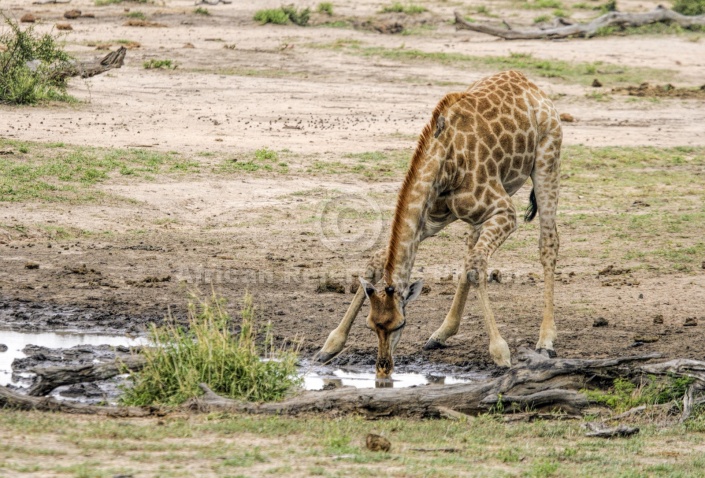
[450,325]
[546,178]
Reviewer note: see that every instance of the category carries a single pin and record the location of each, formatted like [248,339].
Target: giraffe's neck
[417,195]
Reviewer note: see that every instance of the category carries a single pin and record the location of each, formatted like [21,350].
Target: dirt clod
[658,319]
[330,285]
[496,276]
[690,322]
[64,27]
[72,14]
[28,18]
[31,265]
[377,443]
[600,322]
[3,348]
[647,339]
[567,118]
[596,83]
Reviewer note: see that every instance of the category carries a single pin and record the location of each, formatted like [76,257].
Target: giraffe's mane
[410,180]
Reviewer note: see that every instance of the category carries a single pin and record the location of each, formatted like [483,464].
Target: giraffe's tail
[533,208]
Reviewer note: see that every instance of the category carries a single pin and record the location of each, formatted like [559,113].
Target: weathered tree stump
[87,69]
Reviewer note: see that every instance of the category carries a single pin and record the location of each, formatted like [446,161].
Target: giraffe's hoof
[550,353]
[324,357]
[433,344]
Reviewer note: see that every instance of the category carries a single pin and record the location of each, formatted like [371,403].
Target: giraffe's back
[494,131]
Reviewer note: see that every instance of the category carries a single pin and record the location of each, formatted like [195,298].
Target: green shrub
[689,7]
[201,11]
[283,15]
[209,352]
[26,66]
[136,14]
[154,64]
[325,7]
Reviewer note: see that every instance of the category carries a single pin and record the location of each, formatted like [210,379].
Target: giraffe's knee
[476,267]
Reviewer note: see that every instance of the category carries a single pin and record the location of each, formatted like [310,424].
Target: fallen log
[11,399]
[87,69]
[535,383]
[621,19]
[49,378]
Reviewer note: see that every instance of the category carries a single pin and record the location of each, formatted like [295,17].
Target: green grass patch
[136,14]
[625,394]
[577,72]
[541,4]
[154,64]
[543,19]
[27,65]
[263,159]
[201,11]
[208,351]
[48,172]
[103,3]
[408,8]
[284,15]
[325,7]
[689,7]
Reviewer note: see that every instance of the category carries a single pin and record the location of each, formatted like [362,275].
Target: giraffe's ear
[367,287]
[413,291]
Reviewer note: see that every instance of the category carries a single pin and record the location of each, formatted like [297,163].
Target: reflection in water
[327,378]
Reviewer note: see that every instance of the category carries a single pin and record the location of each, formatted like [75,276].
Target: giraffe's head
[387,319]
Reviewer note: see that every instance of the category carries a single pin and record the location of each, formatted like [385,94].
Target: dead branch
[621,19]
[87,69]
[600,430]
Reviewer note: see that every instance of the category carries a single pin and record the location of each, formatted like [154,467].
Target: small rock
[567,118]
[496,276]
[72,14]
[641,296]
[600,322]
[658,319]
[426,289]
[377,443]
[354,287]
[31,265]
[647,339]
[3,348]
[690,322]
[28,18]
[188,45]
[64,26]
[596,83]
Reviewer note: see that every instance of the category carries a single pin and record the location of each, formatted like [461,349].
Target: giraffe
[479,148]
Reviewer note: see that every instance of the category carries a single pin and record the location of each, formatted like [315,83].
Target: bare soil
[240,86]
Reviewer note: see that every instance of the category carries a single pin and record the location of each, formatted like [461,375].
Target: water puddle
[321,377]
[17,341]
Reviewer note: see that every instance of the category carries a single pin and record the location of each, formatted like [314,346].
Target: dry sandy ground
[243,87]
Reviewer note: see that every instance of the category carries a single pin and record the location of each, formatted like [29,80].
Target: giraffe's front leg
[335,343]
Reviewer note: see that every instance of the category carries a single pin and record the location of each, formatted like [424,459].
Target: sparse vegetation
[541,4]
[26,65]
[55,172]
[102,3]
[408,8]
[136,14]
[625,394]
[689,7]
[210,352]
[542,19]
[263,159]
[325,7]
[284,15]
[154,64]
[201,11]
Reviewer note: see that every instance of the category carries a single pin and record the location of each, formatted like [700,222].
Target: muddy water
[17,341]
